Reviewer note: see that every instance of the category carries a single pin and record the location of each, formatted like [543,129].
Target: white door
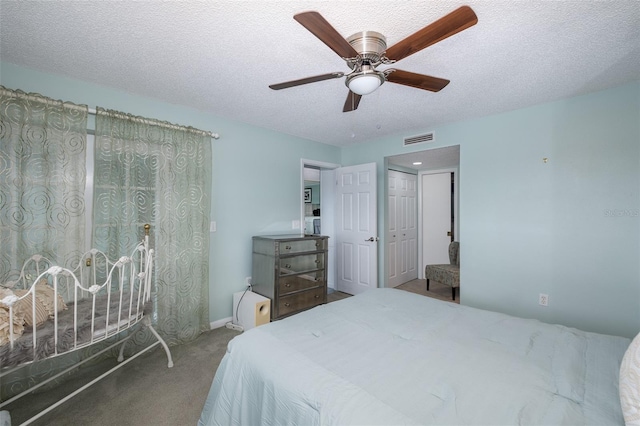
[356,228]
[402,234]
[436,217]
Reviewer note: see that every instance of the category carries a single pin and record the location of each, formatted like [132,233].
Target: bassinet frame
[125,284]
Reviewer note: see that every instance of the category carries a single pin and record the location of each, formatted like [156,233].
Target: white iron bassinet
[51,310]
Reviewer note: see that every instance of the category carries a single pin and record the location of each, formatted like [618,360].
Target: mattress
[392,357]
[68,338]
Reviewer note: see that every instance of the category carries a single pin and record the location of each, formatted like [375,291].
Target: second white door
[402,233]
[436,191]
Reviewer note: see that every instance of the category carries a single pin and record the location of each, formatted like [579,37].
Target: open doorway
[312,201]
[318,207]
[417,164]
[348,216]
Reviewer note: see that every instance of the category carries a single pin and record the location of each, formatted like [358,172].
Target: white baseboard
[220,323]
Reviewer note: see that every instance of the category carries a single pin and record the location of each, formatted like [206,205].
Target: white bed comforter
[391,357]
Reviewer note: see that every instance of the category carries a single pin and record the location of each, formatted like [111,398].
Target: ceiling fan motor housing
[369,44]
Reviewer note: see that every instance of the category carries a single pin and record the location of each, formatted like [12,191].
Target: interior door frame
[327,210]
[329,191]
[316,164]
[456,219]
[425,154]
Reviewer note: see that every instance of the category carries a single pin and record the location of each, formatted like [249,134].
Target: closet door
[402,233]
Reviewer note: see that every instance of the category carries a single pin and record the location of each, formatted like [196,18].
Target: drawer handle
[287,304]
[287,266]
[287,247]
[317,260]
[287,285]
[317,297]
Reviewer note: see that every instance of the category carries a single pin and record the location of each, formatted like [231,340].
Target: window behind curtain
[42,179]
[157,173]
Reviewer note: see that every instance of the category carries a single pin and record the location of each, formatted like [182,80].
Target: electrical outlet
[247,280]
[543,299]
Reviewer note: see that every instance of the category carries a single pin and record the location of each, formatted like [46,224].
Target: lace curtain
[42,180]
[42,207]
[158,173]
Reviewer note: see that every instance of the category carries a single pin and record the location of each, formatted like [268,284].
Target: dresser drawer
[301,263]
[295,283]
[300,301]
[300,246]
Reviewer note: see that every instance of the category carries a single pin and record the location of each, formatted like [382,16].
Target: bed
[389,357]
[51,310]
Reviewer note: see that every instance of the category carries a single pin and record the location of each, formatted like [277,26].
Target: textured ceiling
[221,56]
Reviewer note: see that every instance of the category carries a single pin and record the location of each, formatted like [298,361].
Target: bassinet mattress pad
[23,351]
[391,357]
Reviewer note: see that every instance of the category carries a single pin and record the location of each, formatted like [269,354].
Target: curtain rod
[93,111]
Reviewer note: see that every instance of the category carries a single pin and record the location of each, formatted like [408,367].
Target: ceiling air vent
[427,137]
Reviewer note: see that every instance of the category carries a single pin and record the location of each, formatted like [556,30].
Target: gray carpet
[145,391]
[436,290]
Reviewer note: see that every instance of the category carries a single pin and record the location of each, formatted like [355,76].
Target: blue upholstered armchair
[447,274]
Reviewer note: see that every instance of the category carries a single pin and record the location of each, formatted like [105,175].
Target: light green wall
[256,172]
[257,190]
[568,227]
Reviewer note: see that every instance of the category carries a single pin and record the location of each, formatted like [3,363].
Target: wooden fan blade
[456,21]
[352,102]
[419,81]
[319,27]
[307,80]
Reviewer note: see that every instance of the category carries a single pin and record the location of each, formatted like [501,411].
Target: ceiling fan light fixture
[364,82]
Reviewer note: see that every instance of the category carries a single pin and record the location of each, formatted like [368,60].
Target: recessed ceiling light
[417,163]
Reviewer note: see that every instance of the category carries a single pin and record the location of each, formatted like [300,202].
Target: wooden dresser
[291,271]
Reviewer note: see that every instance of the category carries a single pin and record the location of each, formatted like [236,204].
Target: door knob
[449,234]
[372,239]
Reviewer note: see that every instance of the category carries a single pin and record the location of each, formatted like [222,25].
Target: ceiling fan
[364,51]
